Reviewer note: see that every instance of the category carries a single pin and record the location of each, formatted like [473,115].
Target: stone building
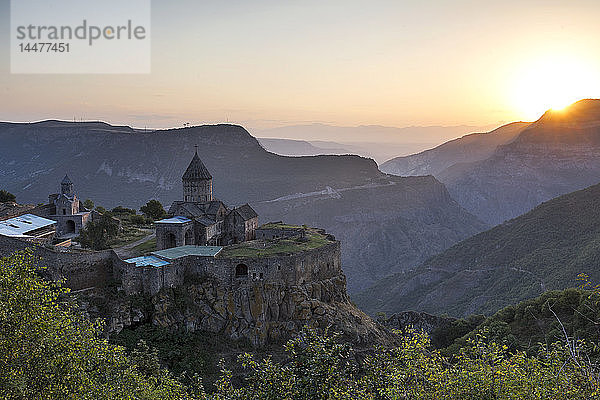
[201,220]
[66,209]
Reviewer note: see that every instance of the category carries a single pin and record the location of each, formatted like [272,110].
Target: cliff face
[278,295]
[505,173]
[261,312]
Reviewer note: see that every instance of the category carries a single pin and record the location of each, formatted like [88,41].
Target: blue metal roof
[175,220]
[20,226]
[182,251]
[145,261]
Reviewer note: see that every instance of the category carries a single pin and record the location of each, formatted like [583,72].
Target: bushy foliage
[48,350]
[531,324]
[6,197]
[123,210]
[88,204]
[445,336]
[318,367]
[154,210]
[140,220]
[97,234]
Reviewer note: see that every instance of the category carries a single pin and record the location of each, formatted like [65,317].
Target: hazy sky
[271,63]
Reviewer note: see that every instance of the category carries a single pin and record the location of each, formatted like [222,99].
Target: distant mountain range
[542,250]
[292,147]
[387,223]
[467,149]
[377,151]
[374,141]
[518,166]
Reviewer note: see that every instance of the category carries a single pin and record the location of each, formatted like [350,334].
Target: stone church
[66,209]
[201,220]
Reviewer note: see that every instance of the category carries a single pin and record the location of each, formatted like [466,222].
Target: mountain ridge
[554,155]
[333,192]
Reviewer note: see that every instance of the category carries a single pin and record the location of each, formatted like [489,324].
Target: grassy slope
[311,240]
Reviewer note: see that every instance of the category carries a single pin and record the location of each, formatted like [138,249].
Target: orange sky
[273,63]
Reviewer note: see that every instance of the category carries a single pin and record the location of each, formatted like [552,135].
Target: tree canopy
[96,234]
[154,210]
[6,197]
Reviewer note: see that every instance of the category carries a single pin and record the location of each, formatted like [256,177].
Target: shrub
[6,197]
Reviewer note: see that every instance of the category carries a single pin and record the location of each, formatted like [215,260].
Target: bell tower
[197,181]
[66,186]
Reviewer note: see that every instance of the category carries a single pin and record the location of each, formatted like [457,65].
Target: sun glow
[553,83]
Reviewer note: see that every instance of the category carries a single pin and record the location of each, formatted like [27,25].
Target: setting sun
[553,83]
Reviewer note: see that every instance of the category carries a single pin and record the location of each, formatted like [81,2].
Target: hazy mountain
[379,151]
[557,154]
[469,148]
[291,147]
[378,142]
[542,250]
[387,223]
[505,173]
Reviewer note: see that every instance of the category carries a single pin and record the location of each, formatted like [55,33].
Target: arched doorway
[241,270]
[189,237]
[70,226]
[170,240]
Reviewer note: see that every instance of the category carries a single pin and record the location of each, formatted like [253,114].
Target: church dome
[196,170]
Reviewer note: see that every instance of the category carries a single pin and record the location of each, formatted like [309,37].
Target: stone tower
[197,182]
[66,186]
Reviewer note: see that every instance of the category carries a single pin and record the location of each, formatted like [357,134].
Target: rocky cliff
[261,313]
[555,155]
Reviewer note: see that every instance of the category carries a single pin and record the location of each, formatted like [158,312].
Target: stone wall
[203,293]
[277,233]
[285,270]
[148,279]
[80,269]
[278,296]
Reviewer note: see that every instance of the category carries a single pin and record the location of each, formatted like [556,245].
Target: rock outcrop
[260,313]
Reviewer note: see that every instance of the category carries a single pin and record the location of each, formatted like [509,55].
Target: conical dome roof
[196,170]
[66,180]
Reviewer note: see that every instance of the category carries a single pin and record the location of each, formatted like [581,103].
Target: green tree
[97,234]
[88,204]
[319,367]
[154,210]
[6,197]
[122,210]
[49,350]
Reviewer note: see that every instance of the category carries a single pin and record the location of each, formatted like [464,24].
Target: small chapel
[201,220]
